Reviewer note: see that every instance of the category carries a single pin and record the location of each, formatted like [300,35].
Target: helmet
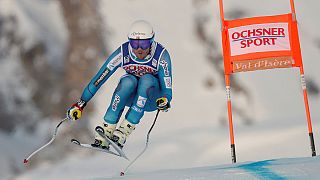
[141,30]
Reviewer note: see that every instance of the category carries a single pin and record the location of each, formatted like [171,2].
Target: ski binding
[99,130]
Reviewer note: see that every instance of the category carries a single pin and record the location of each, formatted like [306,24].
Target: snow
[188,142]
[286,168]
[294,168]
[166,158]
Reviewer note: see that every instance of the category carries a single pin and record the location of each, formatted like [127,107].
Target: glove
[75,111]
[163,104]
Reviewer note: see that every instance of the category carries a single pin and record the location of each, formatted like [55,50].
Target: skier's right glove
[75,111]
[163,104]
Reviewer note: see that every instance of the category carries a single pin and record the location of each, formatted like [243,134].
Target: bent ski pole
[53,137]
[145,148]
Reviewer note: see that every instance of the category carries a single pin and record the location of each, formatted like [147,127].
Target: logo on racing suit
[102,77]
[114,62]
[164,65]
[115,102]
[154,63]
[168,82]
[136,109]
[139,70]
[141,102]
[126,60]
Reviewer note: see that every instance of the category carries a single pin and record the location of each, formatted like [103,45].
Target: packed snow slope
[277,169]
[295,168]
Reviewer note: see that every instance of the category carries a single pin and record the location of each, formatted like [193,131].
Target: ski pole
[145,148]
[53,137]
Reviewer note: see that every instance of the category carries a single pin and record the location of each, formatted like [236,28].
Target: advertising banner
[258,43]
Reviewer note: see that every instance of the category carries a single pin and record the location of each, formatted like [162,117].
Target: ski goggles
[141,43]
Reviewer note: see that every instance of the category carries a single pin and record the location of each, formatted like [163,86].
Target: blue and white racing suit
[145,81]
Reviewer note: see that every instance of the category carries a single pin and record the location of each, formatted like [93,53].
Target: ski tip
[75,141]
[25,161]
[122,174]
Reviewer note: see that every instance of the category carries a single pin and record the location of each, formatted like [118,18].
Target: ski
[77,142]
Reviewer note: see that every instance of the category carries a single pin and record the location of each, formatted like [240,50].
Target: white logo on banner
[259,38]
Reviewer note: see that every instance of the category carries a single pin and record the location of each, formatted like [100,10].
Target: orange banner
[258,43]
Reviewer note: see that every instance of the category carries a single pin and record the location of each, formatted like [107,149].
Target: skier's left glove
[163,104]
[75,111]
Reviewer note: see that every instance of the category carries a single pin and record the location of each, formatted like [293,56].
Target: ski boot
[108,130]
[122,133]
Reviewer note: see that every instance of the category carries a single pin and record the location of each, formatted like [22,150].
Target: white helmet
[141,30]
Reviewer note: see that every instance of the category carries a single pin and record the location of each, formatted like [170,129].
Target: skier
[146,86]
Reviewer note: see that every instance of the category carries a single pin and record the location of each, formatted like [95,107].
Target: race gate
[258,43]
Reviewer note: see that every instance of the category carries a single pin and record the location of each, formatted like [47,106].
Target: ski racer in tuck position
[146,86]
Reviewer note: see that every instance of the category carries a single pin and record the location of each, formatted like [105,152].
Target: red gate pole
[304,88]
[221,13]
[293,10]
[228,91]
[306,103]
[227,81]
